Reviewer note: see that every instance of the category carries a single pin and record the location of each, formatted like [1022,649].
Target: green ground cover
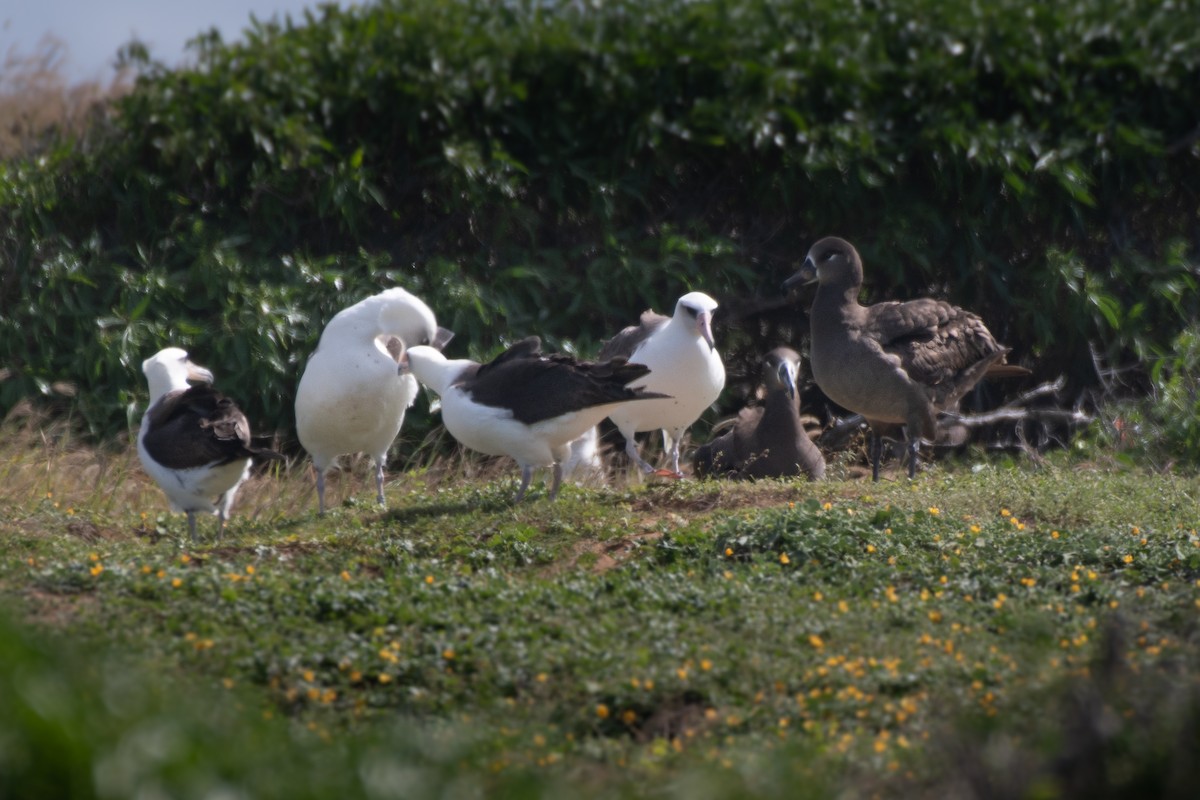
[645,639]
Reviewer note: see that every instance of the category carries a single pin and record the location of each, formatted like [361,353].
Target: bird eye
[830,254]
[693,311]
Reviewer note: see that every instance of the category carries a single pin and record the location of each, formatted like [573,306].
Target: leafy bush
[554,168]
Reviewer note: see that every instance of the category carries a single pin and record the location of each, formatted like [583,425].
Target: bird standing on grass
[194,441]
[896,363]
[766,441]
[684,365]
[525,404]
[351,397]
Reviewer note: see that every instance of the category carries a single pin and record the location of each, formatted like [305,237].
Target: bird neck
[836,301]
[160,385]
[783,409]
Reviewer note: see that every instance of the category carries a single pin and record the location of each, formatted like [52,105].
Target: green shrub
[551,168]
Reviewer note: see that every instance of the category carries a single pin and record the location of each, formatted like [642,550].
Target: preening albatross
[194,441]
[768,440]
[351,397]
[525,404]
[684,364]
[893,362]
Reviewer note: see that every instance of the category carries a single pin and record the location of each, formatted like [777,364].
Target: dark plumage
[199,426]
[536,386]
[894,362]
[767,441]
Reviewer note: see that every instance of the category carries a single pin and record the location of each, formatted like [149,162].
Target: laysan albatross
[352,397]
[684,365]
[896,363]
[194,441]
[525,404]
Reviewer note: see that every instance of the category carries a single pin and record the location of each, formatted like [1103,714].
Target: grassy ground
[991,628]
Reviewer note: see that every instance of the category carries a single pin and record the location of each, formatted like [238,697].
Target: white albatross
[194,441]
[352,397]
[524,404]
[684,365]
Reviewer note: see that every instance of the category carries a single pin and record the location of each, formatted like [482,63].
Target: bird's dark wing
[535,388]
[198,426]
[935,341]
[629,339]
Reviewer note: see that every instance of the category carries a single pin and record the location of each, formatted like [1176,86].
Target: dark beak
[807,274]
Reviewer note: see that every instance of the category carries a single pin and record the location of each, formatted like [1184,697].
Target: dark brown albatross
[896,363]
[766,441]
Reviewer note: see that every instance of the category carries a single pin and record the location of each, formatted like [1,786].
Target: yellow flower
[249,569]
[96,570]
[818,596]
[385,678]
[728,551]
[1053,534]
[705,664]
[783,558]
[602,711]
[429,579]
[1128,559]
[629,716]
[870,548]
[1004,512]
[827,505]
[309,676]
[934,510]
[345,575]
[176,583]
[185,558]
[93,556]
[448,654]
[816,641]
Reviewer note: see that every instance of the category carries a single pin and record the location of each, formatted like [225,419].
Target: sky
[93,30]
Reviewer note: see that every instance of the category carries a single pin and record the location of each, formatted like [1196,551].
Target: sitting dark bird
[896,363]
[194,441]
[766,441]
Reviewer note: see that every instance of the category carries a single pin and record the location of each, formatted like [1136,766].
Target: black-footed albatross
[893,362]
[766,441]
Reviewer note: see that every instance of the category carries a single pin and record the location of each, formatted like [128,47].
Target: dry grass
[43,460]
[38,104]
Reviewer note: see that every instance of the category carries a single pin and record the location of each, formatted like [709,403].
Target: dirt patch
[604,555]
[54,609]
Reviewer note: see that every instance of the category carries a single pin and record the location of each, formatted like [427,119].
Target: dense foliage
[556,167]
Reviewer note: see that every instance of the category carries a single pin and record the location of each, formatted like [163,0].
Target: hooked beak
[198,373]
[704,320]
[442,338]
[787,378]
[807,274]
